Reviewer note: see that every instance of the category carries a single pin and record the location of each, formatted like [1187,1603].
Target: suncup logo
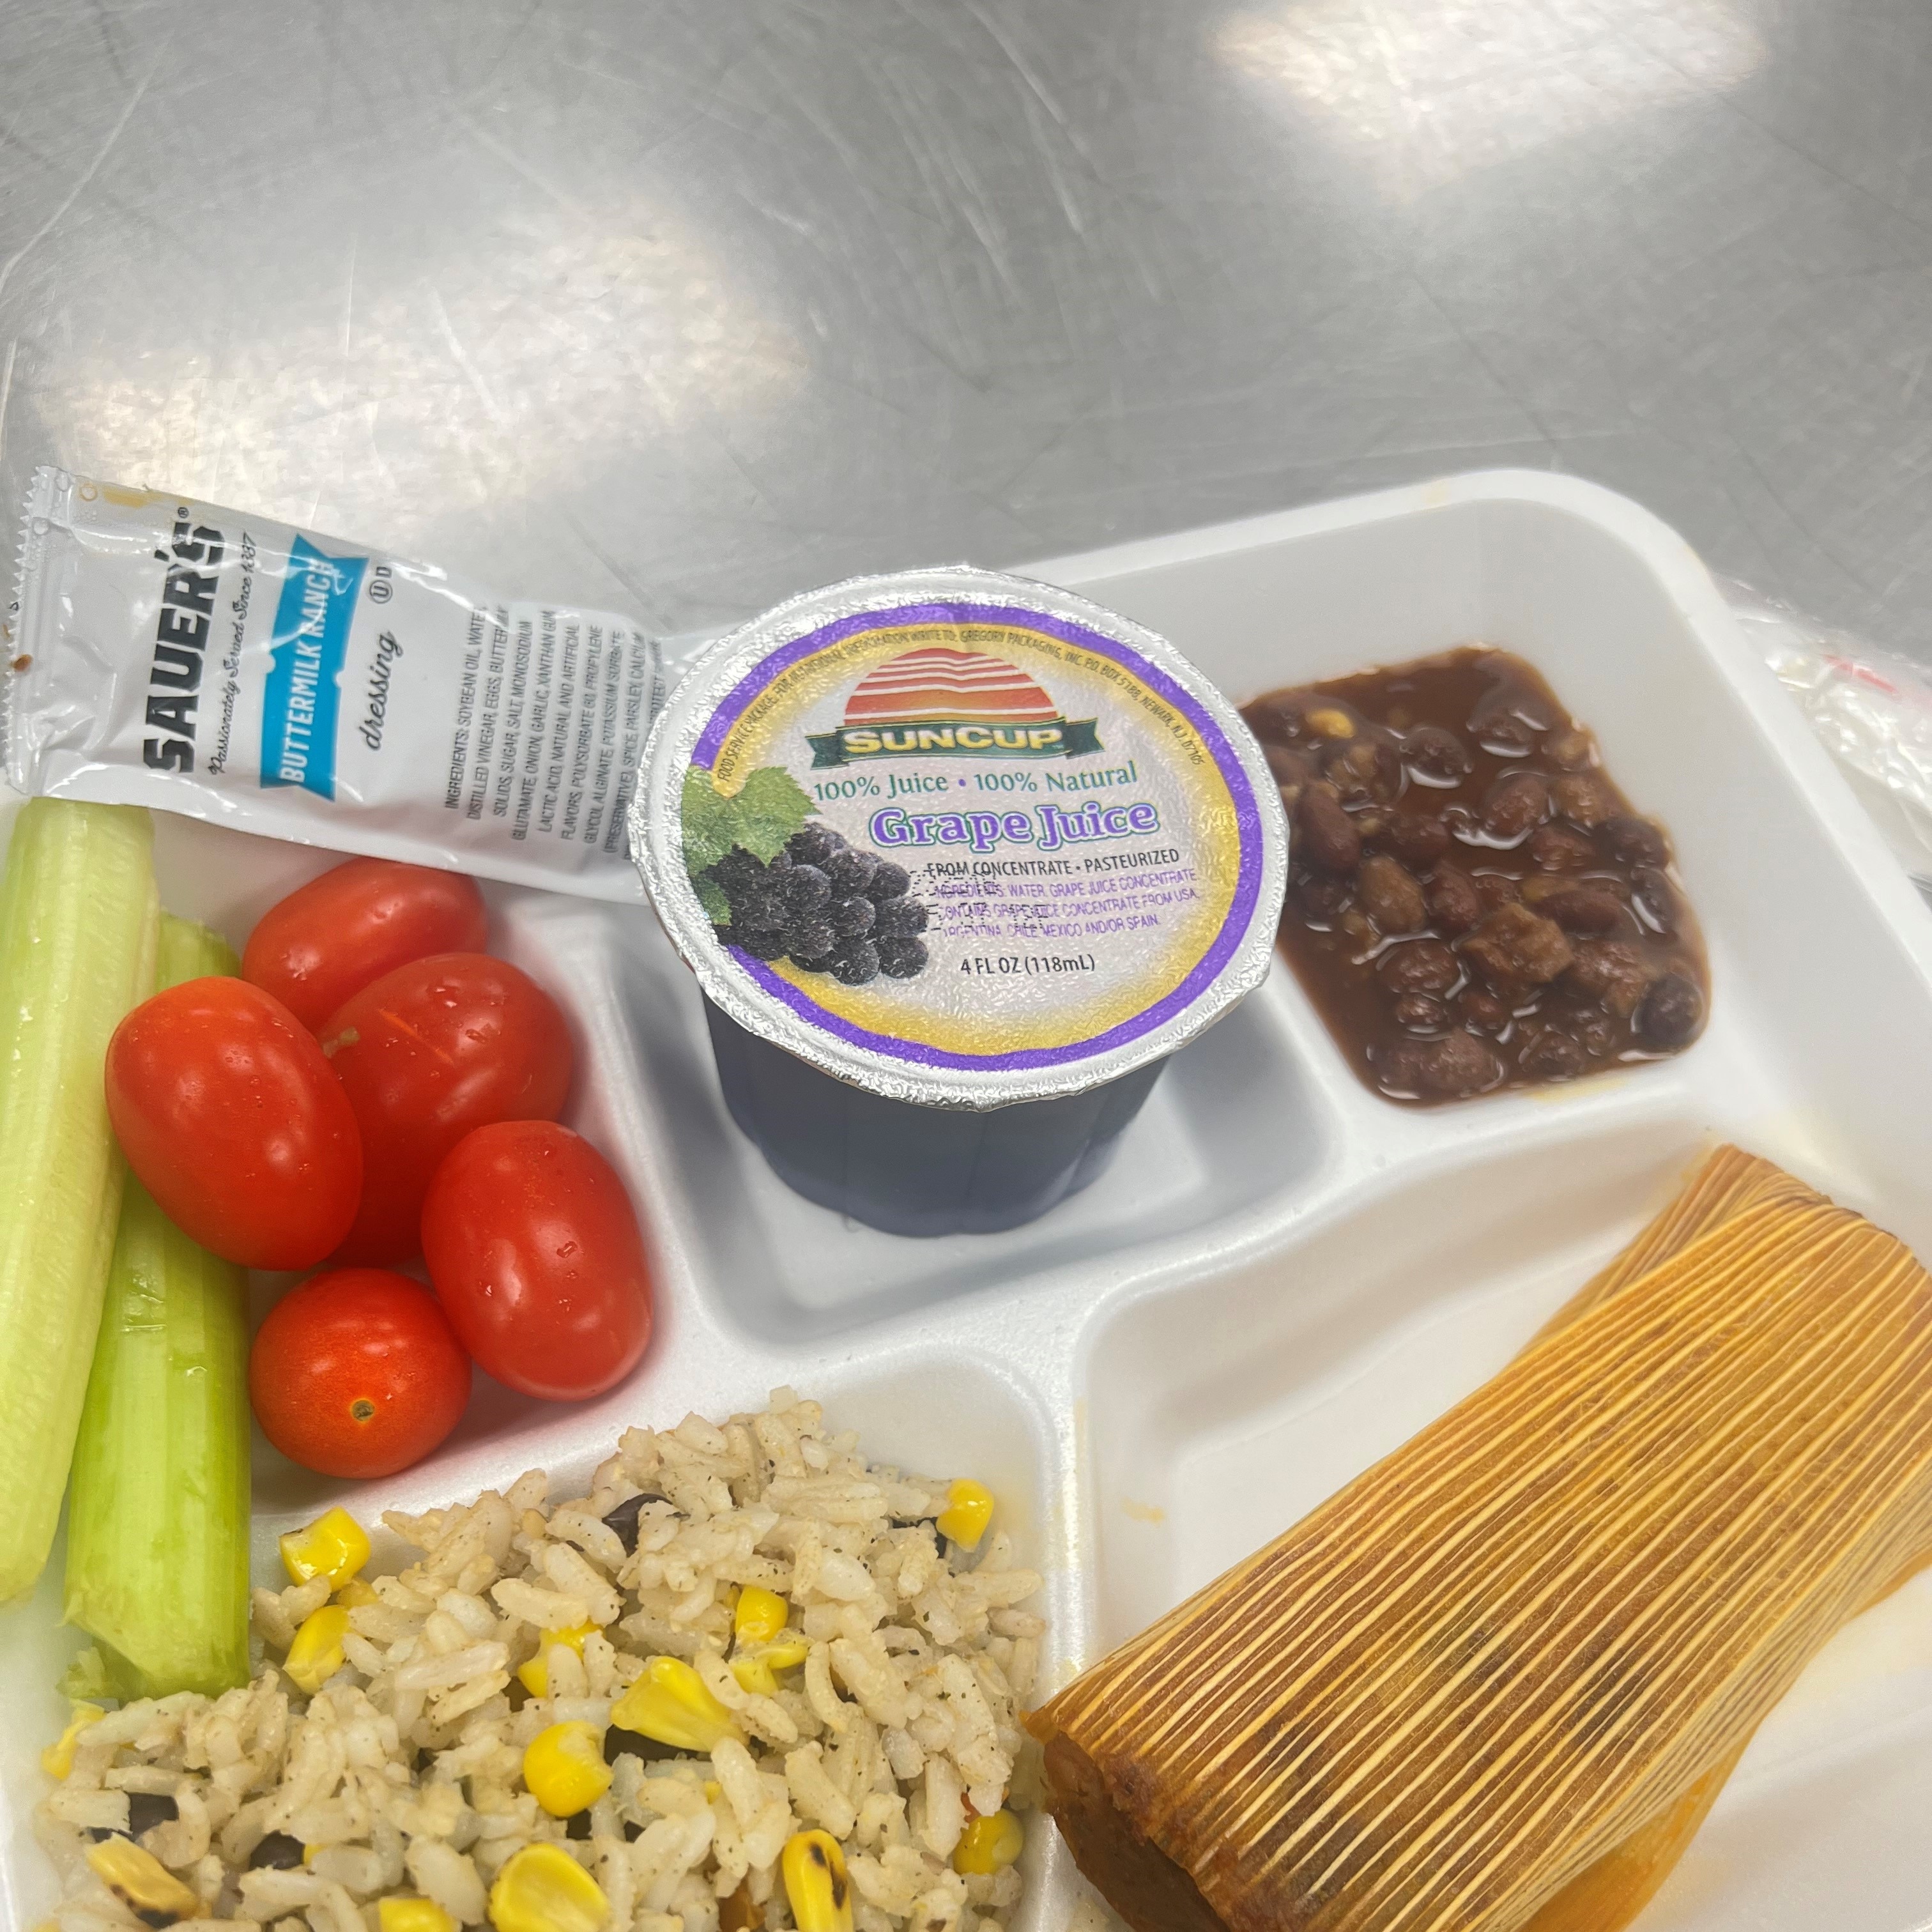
[939,702]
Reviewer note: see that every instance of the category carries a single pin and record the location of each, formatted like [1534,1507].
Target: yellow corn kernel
[542,1888]
[535,1675]
[757,1670]
[712,1789]
[754,1674]
[969,1508]
[670,1702]
[815,1882]
[57,1760]
[413,1914]
[355,1593]
[143,1883]
[316,1654]
[987,1845]
[1331,723]
[564,1770]
[334,1545]
[760,1615]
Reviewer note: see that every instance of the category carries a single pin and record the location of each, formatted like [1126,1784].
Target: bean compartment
[1473,903]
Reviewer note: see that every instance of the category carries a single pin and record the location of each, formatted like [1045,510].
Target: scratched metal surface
[688,305]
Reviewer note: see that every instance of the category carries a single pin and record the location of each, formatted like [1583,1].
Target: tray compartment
[1282,1276]
[1821,952]
[1230,1127]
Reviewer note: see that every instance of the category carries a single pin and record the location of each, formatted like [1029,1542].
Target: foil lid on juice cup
[960,838]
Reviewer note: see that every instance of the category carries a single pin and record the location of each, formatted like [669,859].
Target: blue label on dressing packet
[302,694]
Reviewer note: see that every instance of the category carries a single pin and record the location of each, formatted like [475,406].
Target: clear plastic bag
[1871,708]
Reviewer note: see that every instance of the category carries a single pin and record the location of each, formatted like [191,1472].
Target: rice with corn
[883,1715]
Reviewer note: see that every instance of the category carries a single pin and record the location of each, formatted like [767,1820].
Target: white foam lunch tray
[1283,1276]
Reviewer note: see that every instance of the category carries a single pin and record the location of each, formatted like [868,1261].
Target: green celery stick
[78,916]
[157,1522]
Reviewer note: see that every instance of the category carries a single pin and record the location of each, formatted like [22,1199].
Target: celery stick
[77,932]
[157,1522]
[187,951]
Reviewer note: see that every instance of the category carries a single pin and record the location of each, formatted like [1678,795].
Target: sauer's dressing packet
[168,653]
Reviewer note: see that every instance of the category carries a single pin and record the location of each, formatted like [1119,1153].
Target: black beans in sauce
[1454,903]
[1330,840]
[1671,1011]
[1562,848]
[1474,904]
[1419,842]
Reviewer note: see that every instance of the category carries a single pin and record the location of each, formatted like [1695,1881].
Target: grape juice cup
[958,860]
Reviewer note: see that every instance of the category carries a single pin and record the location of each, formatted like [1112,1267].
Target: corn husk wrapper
[1496,1681]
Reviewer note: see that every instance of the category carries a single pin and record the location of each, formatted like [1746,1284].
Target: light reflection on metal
[1002,279]
[480,378]
[1423,94]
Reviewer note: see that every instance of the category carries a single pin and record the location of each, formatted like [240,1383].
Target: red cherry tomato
[356,1373]
[331,937]
[537,1260]
[429,1051]
[227,1110]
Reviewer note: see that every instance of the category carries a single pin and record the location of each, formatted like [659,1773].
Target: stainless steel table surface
[686,305]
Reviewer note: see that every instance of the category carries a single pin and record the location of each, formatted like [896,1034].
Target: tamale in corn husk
[1725,1184]
[1496,1682]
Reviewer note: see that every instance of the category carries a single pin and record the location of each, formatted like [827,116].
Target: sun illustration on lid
[937,682]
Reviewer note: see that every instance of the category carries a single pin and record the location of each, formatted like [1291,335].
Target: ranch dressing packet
[167,653]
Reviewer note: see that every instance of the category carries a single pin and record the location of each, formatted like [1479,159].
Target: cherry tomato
[356,1373]
[429,1051]
[227,1110]
[537,1260]
[331,937]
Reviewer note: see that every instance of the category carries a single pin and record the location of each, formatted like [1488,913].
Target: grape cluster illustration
[781,886]
[826,906]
